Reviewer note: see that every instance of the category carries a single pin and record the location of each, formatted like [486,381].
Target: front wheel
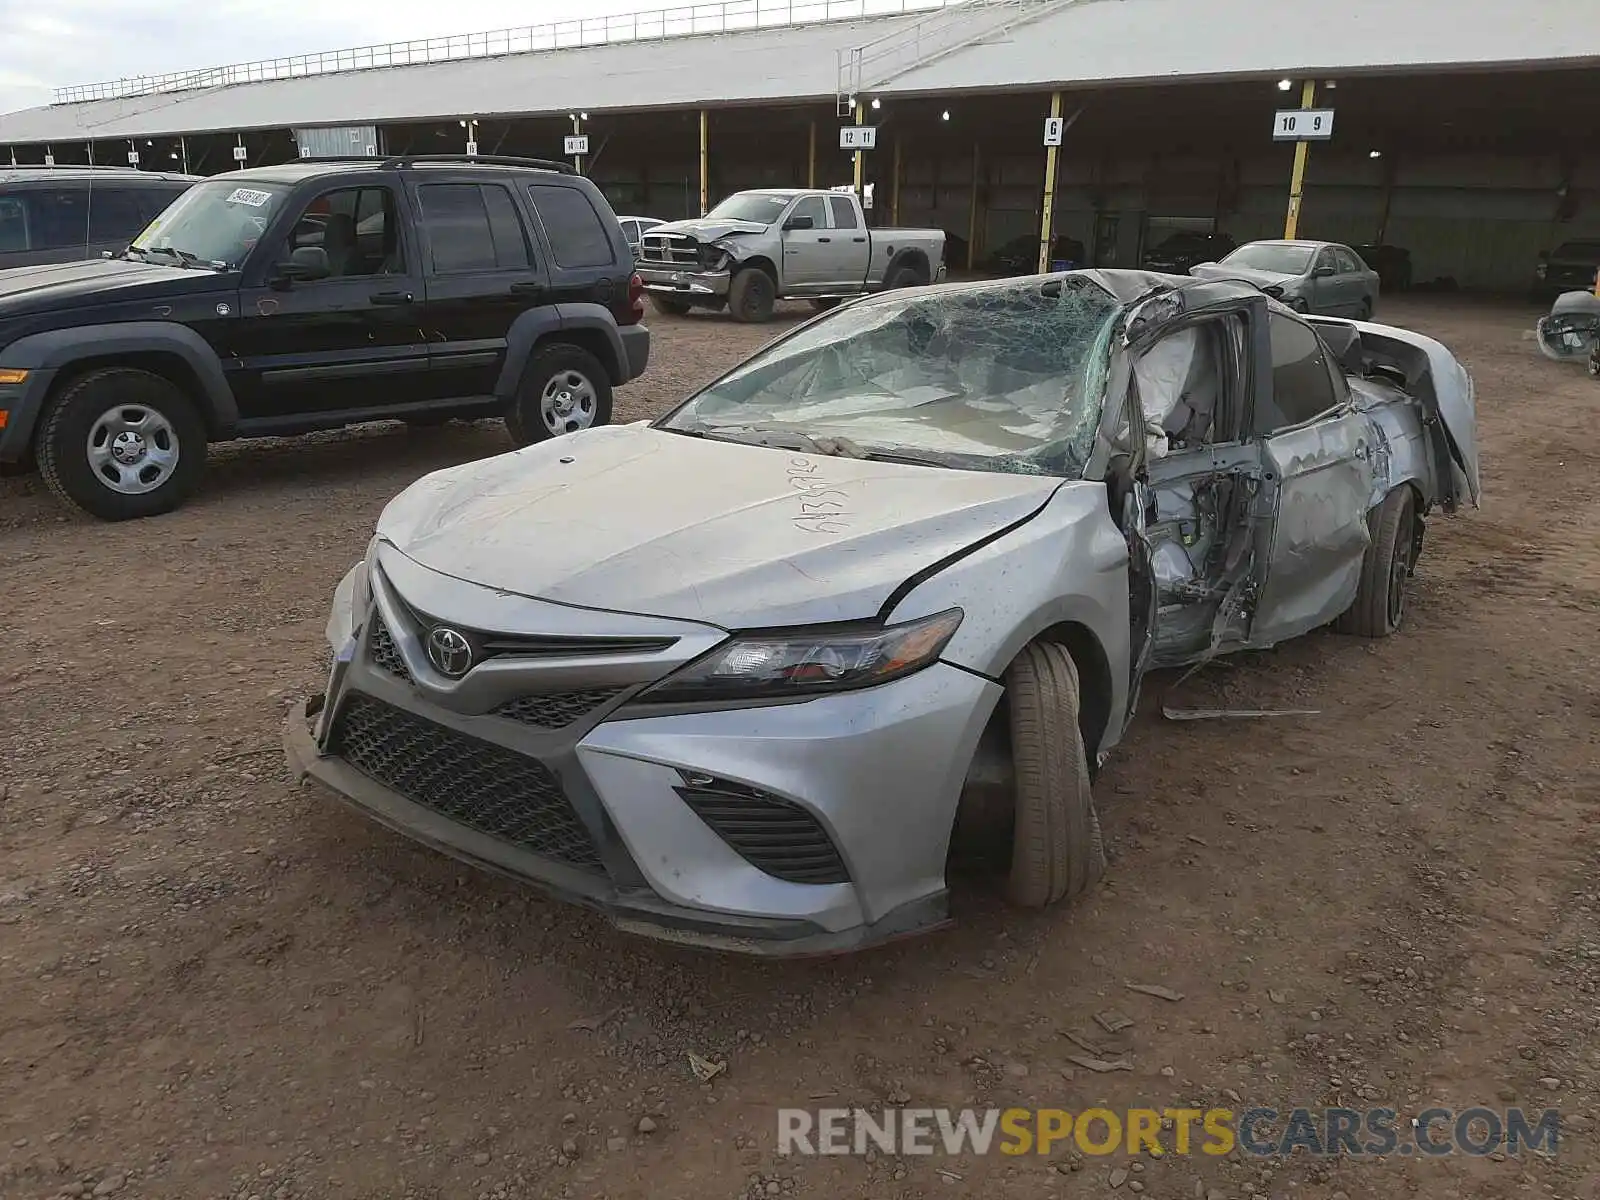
[752,296]
[1056,847]
[564,389]
[122,443]
[1380,603]
[670,306]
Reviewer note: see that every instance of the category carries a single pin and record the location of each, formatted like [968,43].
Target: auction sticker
[246,196]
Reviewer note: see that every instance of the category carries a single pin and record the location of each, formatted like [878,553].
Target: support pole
[705,177]
[811,156]
[183,149]
[972,210]
[1297,180]
[1047,215]
[577,159]
[894,189]
[861,163]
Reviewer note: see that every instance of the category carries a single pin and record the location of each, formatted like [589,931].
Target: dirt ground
[213,984]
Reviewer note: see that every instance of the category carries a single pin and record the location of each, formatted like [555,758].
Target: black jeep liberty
[313,295]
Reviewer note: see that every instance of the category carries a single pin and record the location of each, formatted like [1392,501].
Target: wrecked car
[1571,330]
[746,676]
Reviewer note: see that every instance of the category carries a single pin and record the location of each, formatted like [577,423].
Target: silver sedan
[1310,277]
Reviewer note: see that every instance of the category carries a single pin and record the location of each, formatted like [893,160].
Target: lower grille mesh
[481,785]
[778,836]
[382,650]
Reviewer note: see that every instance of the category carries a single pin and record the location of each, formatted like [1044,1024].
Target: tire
[122,443]
[1300,305]
[1594,361]
[1364,313]
[668,307]
[752,296]
[559,379]
[1056,848]
[903,276]
[1379,606]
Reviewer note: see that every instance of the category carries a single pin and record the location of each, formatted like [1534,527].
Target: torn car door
[1319,453]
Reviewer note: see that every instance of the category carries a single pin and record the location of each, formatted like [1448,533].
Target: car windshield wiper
[183,256]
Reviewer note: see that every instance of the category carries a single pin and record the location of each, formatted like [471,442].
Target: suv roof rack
[399,162]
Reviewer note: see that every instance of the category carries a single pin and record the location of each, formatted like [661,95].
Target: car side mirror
[305,264]
[798,223]
[1323,272]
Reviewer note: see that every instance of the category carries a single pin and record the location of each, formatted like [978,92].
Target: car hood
[708,229]
[635,519]
[1261,279]
[67,285]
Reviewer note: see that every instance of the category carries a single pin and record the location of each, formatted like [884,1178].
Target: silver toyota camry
[747,676]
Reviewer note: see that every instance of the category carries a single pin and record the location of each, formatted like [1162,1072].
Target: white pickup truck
[758,247]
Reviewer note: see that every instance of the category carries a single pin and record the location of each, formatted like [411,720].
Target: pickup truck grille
[670,249]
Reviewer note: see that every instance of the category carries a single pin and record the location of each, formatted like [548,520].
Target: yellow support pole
[894,189]
[861,163]
[811,156]
[1047,218]
[705,174]
[972,211]
[1297,180]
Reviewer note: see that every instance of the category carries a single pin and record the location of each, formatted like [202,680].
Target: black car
[313,295]
[61,214]
[1184,249]
[1392,263]
[1570,267]
[1020,256]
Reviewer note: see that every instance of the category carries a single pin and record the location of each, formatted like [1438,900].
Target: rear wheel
[564,389]
[122,443]
[752,296]
[1056,848]
[670,306]
[903,276]
[1380,602]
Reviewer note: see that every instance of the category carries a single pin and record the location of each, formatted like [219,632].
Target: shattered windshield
[1265,256]
[218,222]
[1000,376]
[750,206]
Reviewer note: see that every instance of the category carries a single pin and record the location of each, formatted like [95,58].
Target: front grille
[481,785]
[776,835]
[672,249]
[556,711]
[382,650]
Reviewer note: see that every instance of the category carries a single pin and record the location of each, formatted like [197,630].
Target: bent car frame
[745,676]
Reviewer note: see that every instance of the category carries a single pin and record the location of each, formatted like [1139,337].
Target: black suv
[312,295]
[60,214]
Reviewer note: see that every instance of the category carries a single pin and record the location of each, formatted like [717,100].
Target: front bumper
[875,775]
[20,405]
[684,282]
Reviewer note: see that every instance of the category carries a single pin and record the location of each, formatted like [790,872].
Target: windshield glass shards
[1000,376]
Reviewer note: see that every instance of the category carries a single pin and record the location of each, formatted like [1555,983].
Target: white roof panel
[1128,41]
[1090,41]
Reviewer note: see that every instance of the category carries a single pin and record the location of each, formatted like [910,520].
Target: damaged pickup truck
[884,591]
[756,248]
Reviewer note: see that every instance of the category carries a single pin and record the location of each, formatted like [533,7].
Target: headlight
[1274,290]
[805,663]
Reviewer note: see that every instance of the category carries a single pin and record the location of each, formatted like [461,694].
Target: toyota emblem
[449,651]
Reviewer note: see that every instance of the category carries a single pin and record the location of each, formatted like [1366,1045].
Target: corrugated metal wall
[336,140]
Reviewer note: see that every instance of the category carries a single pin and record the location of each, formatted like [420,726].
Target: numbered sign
[49,160]
[305,151]
[240,154]
[472,149]
[577,144]
[1054,127]
[858,137]
[133,158]
[1302,125]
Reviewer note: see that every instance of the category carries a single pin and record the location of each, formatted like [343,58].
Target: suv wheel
[752,296]
[564,389]
[122,443]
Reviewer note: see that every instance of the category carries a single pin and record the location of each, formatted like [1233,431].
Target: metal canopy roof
[1071,43]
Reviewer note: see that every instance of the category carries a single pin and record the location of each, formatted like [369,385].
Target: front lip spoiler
[635,910]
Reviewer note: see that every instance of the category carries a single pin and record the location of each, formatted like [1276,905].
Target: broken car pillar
[1297,180]
[705,179]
